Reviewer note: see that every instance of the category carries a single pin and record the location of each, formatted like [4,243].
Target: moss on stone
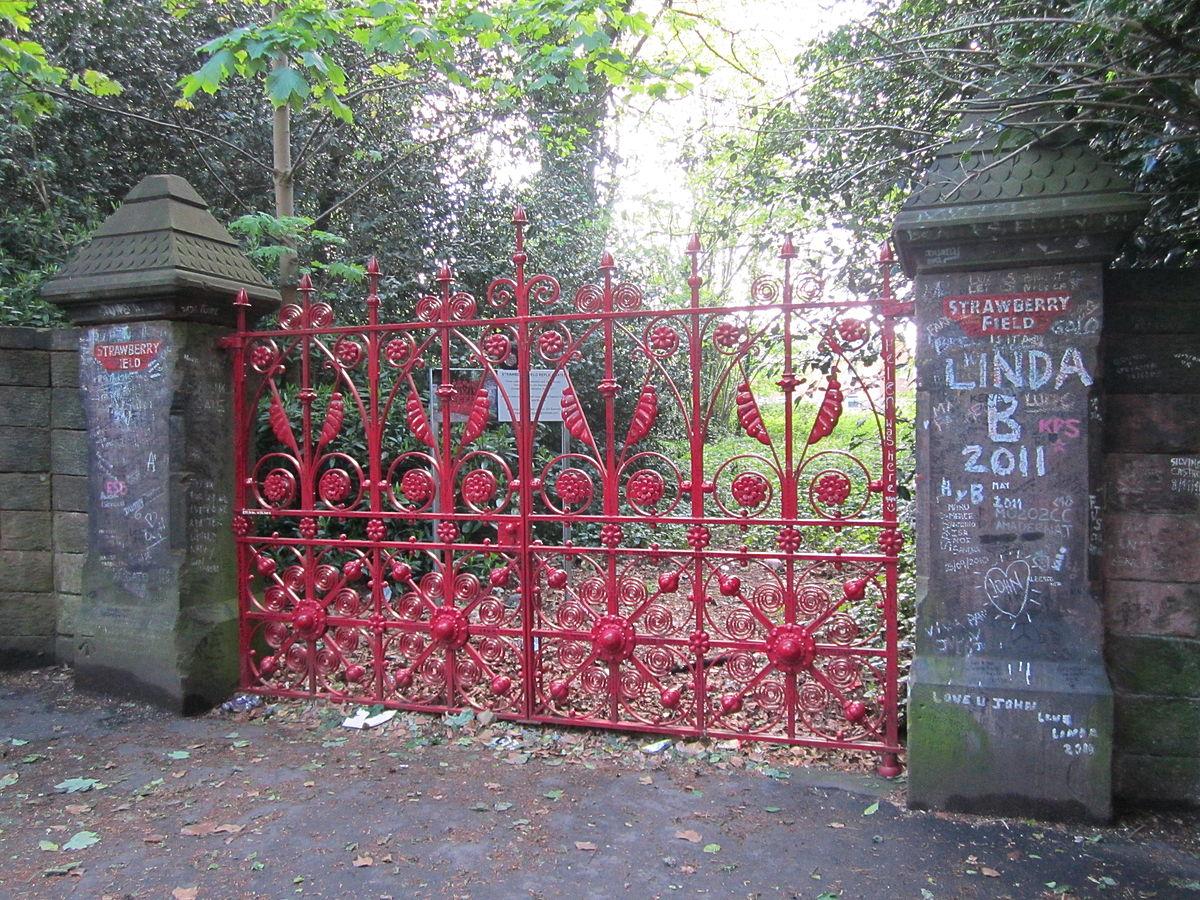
[1150,664]
[1161,726]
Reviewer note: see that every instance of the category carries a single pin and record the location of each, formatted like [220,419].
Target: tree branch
[148,120]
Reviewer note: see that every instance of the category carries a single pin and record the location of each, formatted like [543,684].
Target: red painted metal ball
[854,710]
[442,628]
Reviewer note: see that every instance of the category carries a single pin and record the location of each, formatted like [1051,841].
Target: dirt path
[293,804]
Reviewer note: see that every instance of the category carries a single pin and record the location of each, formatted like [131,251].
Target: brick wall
[1152,530]
[43,494]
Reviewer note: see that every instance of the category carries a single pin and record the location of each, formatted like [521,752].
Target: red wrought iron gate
[729,482]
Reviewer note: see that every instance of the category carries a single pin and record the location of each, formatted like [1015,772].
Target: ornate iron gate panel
[711,549]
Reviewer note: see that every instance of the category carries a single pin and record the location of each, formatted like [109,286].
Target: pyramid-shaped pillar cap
[1001,197]
[160,255]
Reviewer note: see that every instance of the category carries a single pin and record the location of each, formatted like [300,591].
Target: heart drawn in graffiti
[1008,589]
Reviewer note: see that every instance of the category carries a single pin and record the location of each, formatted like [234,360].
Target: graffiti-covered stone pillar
[1010,709]
[154,289]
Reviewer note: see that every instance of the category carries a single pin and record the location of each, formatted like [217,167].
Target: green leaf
[208,77]
[179,754]
[148,788]
[712,848]
[48,846]
[81,840]
[554,794]
[314,61]
[78,785]
[488,39]
[772,809]
[64,869]
[459,719]
[100,84]
[340,110]
[872,809]
[8,778]
[286,86]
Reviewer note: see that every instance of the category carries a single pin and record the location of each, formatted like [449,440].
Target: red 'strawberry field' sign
[981,315]
[127,356]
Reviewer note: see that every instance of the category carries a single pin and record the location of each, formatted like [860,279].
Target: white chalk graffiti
[1010,590]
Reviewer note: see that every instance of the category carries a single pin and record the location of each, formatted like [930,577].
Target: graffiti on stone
[1007,373]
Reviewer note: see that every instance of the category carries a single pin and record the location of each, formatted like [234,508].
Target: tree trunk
[285,194]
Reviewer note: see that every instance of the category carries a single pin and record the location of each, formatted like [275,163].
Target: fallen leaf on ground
[78,785]
[584,845]
[688,835]
[81,840]
[872,809]
[989,872]
[836,825]
[228,829]
[77,809]
[363,861]
[153,838]
[188,893]
[199,829]
[712,848]
[65,869]
[179,754]
[645,779]
[48,846]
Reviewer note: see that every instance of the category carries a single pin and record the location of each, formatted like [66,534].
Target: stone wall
[1152,530]
[43,494]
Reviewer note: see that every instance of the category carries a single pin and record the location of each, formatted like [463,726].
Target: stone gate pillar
[154,290]
[1010,709]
